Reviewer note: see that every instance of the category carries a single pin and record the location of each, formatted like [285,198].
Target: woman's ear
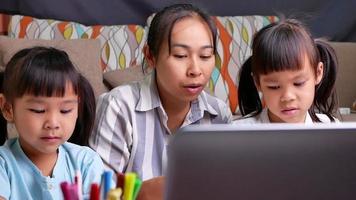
[319,73]
[6,109]
[148,56]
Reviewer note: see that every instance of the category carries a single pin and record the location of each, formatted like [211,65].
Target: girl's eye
[36,110]
[66,111]
[299,84]
[205,57]
[274,87]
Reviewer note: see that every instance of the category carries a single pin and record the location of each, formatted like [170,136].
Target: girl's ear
[148,56]
[6,109]
[319,73]
[256,82]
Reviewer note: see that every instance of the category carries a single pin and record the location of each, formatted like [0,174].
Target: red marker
[94,192]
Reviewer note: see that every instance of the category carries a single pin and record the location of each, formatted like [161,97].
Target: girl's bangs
[282,51]
[47,79]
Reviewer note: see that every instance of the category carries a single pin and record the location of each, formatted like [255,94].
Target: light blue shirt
[21,179]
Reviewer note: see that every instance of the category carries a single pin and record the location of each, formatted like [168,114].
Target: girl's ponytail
[86,114]
[249,99]
[3,122]
[325,100]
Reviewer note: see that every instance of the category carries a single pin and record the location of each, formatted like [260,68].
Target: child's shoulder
[8,146]
[325,119]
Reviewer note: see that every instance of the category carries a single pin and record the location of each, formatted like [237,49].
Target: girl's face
[183,74]
[289,94]
[44,123]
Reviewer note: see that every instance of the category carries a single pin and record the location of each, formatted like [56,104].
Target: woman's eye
[36,110]
[180,55]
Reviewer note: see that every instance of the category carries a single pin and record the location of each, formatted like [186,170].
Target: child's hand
[152,189]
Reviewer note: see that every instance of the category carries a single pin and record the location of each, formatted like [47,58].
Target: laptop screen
[271,161]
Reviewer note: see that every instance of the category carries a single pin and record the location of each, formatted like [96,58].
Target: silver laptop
[270,161]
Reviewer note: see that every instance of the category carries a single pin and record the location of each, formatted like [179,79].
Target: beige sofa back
[346,79]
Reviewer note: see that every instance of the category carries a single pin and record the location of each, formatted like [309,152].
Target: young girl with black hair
[294,73]
[49,103]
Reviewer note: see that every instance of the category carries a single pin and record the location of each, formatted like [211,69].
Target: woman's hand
[152,189]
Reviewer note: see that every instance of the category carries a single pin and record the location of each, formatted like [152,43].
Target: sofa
[112,55]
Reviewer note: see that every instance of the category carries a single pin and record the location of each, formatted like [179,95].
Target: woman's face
[183,73]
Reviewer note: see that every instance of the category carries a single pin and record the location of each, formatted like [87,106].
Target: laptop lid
[271,161]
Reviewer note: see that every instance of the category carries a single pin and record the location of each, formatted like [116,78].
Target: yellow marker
[114,194]
[129,185]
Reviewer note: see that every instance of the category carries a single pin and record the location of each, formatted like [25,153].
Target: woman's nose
[194,68]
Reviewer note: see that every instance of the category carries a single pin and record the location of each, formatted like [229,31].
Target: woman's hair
[46,71]
[282,46]
[163,22]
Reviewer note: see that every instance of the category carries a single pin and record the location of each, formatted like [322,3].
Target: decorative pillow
[122,76]
[235,34]
[83,53]
[121,45]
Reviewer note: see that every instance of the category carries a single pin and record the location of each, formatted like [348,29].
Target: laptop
[262,161]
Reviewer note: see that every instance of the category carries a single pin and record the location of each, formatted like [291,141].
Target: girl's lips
[290,111]
[50,138]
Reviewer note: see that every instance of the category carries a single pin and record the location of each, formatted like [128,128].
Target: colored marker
[106,180]
[78,181]
[129,185]
[137,188]
[94,192]
[114,194]
[120,180]
[65,190]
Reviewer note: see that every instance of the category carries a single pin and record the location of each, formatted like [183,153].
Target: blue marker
[106,180]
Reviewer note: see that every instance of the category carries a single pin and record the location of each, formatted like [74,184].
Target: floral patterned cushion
[235,36]
[121,45]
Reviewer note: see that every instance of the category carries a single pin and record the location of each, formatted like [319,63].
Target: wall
[330,18]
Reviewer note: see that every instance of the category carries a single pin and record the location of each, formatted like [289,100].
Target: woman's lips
[193,89]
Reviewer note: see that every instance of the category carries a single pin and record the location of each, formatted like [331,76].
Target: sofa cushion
[121,45]
[83,53]
[346,89]
[235,34]
[122,76]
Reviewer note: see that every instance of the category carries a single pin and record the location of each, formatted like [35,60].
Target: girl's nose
[287,95]
[51,122]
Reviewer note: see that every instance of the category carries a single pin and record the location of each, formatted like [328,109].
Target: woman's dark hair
[282,46]
[45,71]
[163,22]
